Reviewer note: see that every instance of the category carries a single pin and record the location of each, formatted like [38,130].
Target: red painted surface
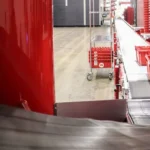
[26,54]
[121,76]
[116,80]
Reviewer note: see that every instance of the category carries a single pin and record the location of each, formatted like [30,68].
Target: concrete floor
[71,67]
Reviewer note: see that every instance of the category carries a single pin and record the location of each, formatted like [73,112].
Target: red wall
[140,13]
[26,54]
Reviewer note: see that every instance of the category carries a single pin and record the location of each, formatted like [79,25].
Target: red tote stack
[146,16]
[141,52]
[129,15]
[100,57]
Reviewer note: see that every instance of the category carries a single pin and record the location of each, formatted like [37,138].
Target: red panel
[26,54]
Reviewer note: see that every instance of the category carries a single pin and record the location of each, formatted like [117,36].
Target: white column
[66,2]
[84,11]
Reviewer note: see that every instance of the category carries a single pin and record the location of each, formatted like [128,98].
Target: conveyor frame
[128,39]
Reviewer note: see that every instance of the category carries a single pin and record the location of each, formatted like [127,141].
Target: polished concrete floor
[71,66]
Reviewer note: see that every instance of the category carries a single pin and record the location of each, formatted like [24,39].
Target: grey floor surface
[71,66]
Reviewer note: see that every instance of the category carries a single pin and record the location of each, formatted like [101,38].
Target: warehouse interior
[71,45]
[74,74]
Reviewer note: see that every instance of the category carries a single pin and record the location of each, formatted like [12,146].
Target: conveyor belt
[139,111]
[20,130]
[140,89]
[136,75]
